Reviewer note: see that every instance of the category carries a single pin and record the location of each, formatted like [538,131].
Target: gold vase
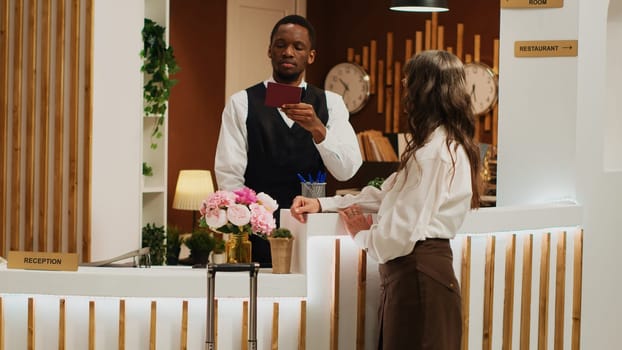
[281,251]
[238,248]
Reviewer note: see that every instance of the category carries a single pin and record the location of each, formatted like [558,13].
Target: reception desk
[329,300]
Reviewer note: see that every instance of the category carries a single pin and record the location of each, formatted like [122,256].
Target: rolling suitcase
[253,269]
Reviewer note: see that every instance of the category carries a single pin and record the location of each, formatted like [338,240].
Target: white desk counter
[312,283]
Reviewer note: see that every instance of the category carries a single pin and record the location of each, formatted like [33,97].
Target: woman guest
[420,207]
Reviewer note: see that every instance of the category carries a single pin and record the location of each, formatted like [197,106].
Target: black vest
[276,152]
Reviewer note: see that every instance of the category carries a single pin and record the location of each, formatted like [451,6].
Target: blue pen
[302,179]
[310,178]
[319,176]
[323,177]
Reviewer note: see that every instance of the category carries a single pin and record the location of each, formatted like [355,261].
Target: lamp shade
[193,186]
[419,5]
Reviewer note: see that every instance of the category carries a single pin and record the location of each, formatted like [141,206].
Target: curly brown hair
[436,95]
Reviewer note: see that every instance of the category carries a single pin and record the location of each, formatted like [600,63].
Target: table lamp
[193,186]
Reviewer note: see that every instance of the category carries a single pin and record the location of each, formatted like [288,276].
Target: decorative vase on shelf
[238,248]
[281,250]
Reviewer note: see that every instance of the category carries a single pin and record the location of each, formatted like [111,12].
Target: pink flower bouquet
[240,211]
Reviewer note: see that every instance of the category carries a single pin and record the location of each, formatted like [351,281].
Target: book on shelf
[375,147]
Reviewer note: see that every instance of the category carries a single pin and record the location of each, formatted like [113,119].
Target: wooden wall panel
[4,120]
[38,216]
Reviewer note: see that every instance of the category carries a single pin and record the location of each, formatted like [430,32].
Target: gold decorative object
[238,248]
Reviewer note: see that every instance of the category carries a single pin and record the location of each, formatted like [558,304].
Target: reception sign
[43,261]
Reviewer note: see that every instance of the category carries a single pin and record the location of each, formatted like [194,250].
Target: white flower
[267,202]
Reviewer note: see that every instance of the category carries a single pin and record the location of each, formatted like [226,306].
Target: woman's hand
[355,220]
[303,205]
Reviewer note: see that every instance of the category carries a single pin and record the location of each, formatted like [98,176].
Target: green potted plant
[281,246]
[200,243]
[153,237]
[173,245]
[158,64]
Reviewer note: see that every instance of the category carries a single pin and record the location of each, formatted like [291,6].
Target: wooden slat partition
[74,90]
[91,325]
[59,128]
[302,328]
[4,119]
[244,335]
[440,39]
[508,296]
[365,62]
[31,324]
[62,318]
[489,282]
[334,309]
[427,43]
[17,126]
[275,327]
[389,60]
[361,300]
[460,40]
[543,304]
[418,41]
[577,282]
[88,132]
[397,96]
[465,290]
[31,106]
[380,87]
[560,292]
[183,337]
[433,30]
[43,213]
[388,93]
[408,50]
[44,122]
[525,319]
[373,60]
[122,324]
[152,325]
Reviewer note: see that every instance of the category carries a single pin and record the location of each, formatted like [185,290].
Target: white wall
[599,190]
[553,121]
[117,133]
[537,109]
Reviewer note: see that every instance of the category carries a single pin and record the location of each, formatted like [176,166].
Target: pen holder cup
[313,189]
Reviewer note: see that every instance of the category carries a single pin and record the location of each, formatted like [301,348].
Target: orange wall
[198,37]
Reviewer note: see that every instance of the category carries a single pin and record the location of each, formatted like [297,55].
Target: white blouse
[340,151]
[427,199]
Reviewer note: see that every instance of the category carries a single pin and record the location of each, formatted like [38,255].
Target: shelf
[154,189]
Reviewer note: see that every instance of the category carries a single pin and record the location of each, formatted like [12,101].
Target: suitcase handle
[250,267]
[253,269]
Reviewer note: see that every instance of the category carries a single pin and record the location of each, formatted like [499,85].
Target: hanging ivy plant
[158,64]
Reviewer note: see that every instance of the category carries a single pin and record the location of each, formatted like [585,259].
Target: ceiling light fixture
[419,5]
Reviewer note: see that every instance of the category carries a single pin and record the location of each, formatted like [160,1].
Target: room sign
[529,4]
[546,48]
[43,261]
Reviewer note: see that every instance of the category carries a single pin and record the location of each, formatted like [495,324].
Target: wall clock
[482,85]
[351,82]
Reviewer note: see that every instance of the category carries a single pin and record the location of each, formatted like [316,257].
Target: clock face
[481,82]
[351,82]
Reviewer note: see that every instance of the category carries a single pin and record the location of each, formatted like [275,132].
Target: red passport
[280,94]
